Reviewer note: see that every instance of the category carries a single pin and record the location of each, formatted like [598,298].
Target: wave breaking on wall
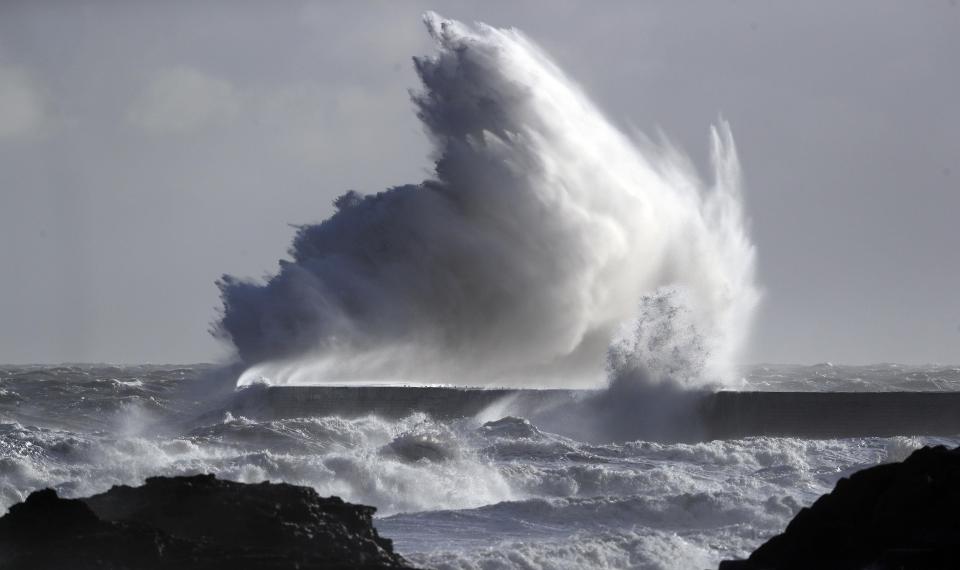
[547,248]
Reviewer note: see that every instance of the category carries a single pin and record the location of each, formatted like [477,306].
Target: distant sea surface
[452,494]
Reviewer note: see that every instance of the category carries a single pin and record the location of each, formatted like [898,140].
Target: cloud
[183,99]
[21,104]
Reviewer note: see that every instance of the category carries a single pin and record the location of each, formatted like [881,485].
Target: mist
[545,241]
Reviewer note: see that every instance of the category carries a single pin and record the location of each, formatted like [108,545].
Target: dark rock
[195,522]
[896,516]
[419,447]
[512,427]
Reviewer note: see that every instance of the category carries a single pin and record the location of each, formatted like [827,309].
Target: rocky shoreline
[197,522]
[895,516]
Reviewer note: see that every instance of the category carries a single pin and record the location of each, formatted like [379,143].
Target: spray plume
[547,247]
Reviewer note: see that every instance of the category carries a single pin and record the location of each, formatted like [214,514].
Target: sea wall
[721,415]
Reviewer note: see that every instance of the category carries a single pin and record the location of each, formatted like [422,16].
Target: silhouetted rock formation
[895,516]
[195,522]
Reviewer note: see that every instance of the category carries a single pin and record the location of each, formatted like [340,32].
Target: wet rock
[195,522]
[416,447]
[511,427]
[894,516]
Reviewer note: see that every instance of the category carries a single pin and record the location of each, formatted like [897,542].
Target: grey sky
[147,148]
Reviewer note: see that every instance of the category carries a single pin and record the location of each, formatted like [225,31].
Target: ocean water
[452,494]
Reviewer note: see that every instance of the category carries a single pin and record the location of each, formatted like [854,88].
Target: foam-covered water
[829,377]
[453,494]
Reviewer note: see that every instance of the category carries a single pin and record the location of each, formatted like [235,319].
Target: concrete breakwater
[717,415]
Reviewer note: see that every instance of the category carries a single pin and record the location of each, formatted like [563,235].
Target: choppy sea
[452,494]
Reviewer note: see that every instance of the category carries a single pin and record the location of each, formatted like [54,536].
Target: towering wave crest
[547,247]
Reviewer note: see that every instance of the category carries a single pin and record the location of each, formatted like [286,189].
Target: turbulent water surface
[452,494]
